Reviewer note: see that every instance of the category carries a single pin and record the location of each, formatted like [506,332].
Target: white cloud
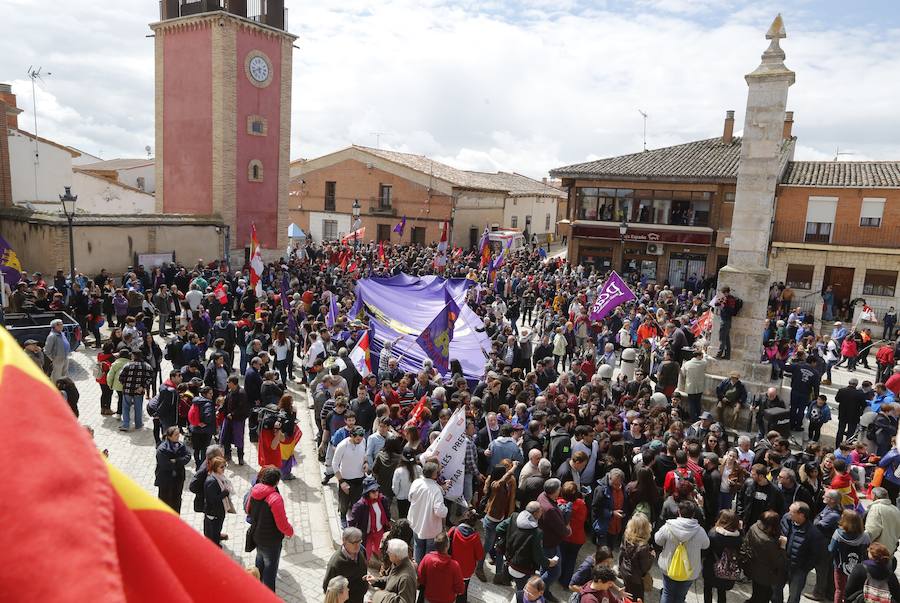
[518,86]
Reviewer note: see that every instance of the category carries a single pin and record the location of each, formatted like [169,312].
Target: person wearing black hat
[370,515]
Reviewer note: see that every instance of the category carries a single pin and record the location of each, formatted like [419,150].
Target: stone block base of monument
[756,377]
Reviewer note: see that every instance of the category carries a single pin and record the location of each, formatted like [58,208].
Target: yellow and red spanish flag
[75,528]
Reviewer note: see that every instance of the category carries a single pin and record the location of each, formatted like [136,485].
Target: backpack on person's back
[875,591]
[193,416]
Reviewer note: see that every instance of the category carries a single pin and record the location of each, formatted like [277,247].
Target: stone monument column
[747,272]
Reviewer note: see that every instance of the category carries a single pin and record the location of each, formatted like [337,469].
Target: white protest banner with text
[450,450]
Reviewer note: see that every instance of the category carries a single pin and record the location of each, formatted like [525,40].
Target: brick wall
[840,257]
[354,180]
[794,200]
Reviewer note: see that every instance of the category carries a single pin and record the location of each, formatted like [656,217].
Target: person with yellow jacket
[112,378]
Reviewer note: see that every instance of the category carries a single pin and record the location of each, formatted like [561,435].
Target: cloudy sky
[488,84]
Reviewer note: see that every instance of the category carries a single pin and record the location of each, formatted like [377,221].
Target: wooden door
[841,280]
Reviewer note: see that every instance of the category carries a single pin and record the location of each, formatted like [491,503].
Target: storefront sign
[640,234]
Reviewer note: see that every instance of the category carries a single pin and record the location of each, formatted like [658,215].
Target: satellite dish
[147,148]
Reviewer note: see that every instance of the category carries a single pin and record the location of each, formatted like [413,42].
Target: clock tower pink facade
[223,121]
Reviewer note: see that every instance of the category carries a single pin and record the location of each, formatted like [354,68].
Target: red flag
[125,545]
[704,323]
[221,295]
[344,257]
[419,409]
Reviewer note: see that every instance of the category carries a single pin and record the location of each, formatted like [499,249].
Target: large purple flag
[436,337]
[613,293]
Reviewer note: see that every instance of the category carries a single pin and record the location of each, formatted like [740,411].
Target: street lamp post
[452,217]
[68,204]
[355,224]
[623,229]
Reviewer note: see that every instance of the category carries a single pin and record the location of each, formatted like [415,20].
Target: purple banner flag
[332,315]
[400,227]
[613,293]
[9,263]
[436,337]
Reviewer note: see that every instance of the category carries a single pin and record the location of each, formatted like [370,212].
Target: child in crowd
[818,414]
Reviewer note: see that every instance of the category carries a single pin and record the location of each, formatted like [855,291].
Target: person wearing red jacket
[893,382]
[439,574]
[571,499]
[269,524]
[683,471]
[884,360]
[466,549]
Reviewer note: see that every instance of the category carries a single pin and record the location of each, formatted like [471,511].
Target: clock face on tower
[258,69]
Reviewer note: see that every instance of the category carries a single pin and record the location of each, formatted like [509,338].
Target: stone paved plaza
[310,506]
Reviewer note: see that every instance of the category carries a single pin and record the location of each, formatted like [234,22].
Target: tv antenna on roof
[36,74]
[644,115]
[377,136]
[838,152]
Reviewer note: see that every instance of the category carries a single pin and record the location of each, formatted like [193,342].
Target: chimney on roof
[7,96]
[728,132]
[788,125]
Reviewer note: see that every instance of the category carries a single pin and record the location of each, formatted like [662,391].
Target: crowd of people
[580,433]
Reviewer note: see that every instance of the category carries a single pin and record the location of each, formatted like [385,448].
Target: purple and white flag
[613,293]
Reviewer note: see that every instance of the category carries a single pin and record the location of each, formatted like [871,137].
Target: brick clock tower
[223,115]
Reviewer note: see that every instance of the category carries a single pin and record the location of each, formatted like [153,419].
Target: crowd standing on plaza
[581,433]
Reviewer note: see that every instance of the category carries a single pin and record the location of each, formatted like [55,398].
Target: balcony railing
[841,234]
[382,211]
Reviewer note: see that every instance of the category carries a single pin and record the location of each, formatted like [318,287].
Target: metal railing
[841,234]
[255,10]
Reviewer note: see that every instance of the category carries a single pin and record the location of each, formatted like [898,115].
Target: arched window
[255,171]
